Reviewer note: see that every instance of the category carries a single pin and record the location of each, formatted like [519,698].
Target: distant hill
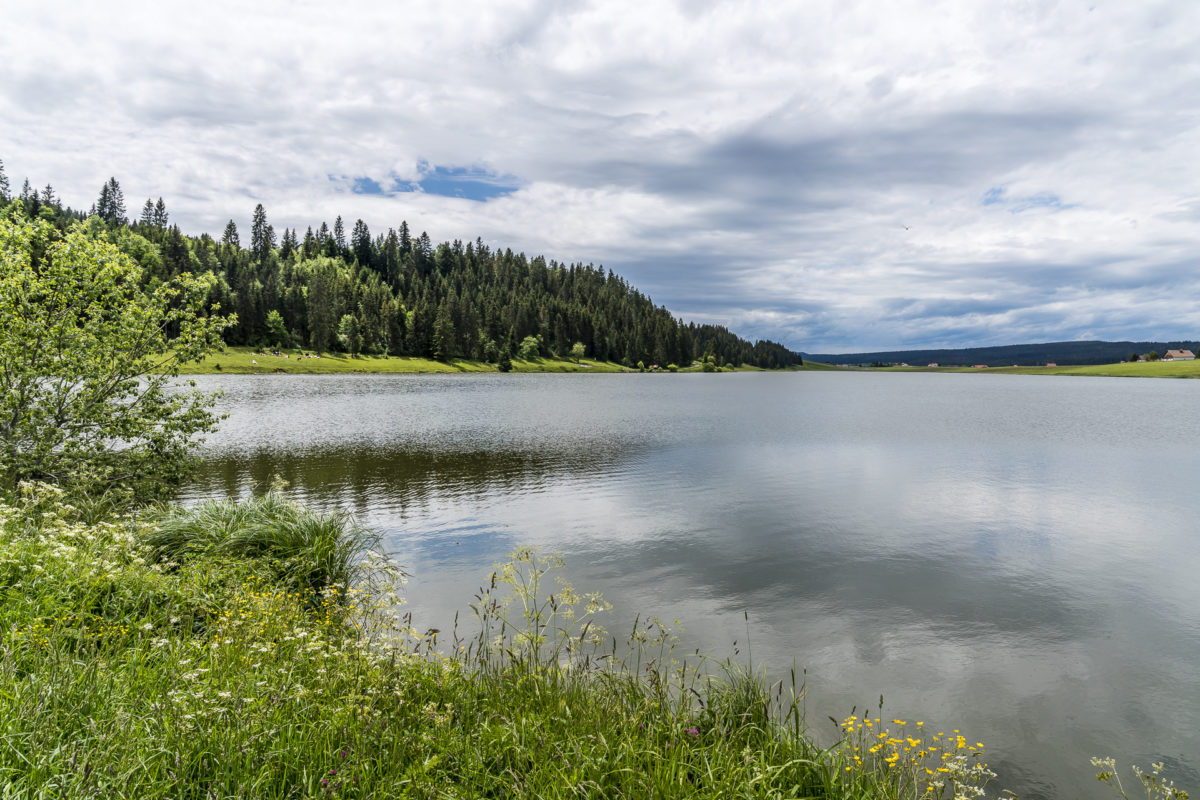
[1025,355]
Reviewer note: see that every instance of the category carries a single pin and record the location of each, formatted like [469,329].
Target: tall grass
[305,550]
[180,656]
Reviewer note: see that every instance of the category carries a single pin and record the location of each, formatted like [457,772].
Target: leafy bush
[87,354]
[531,348]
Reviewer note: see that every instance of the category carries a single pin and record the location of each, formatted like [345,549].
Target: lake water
[1013,556]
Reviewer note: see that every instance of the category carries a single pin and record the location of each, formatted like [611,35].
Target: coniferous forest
[397,293]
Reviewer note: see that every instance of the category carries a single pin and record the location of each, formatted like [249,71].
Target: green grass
[170,656]
[304,550]
[246,360]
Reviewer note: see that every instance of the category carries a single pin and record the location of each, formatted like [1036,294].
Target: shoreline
[248,361]
[1136,369]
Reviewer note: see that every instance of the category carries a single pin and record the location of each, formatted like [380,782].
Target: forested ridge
[397,293]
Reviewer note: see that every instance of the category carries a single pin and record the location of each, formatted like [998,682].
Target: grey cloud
[946,149]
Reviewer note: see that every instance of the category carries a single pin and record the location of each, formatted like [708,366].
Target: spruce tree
[405,238]
[112,205]
[230,237]
[262,235]
[147,218]
[4,195]
[339,234]
[103,202]
[160,214]
[360,240]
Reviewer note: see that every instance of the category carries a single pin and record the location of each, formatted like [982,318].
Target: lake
[1013,556]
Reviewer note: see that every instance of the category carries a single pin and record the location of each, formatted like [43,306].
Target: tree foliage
[87,356]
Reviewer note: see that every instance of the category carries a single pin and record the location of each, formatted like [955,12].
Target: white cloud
[756,163]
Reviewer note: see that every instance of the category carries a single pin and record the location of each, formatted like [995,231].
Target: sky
[836,175]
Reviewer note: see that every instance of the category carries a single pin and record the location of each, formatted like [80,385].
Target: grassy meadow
[247,360]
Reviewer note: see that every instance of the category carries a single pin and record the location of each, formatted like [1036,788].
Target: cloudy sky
[838,175]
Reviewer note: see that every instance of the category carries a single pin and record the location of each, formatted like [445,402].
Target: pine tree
[48,198]
[262,235]
[443,334]
[111,205]
[360,240]
[147,218]
[390,254]
[287,244]
[4,195]
[339,234]
[160,214]
[230,237]
[405,238]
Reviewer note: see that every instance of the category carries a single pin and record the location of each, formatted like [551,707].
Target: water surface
[1014,556]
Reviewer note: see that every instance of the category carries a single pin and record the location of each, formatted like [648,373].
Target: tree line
[398,293]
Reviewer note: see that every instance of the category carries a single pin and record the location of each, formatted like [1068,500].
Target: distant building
[980,366]
[1179,355]
[934,364]
[1051,364]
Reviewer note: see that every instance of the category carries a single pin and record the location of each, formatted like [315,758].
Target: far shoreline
[1124,369]
[249,361]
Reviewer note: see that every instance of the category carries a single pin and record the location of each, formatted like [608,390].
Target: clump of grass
[305,549]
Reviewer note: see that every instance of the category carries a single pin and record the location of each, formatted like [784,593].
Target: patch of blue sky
[366,186]
[468,183]
[998,195]
[993,195]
